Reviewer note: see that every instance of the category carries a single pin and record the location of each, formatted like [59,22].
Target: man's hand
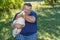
[18,26]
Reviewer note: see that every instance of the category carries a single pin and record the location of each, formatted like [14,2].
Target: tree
[51,1]
[8,4]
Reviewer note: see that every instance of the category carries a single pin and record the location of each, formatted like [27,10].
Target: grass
[48,23]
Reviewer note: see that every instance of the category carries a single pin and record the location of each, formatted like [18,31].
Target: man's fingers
[18,26]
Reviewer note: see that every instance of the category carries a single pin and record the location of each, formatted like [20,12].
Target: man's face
[27,9]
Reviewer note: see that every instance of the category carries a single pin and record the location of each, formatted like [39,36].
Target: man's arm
[30,19]
[27,18]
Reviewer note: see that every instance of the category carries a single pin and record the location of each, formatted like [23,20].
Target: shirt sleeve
[34,16]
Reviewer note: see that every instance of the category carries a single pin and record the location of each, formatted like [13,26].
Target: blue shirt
[30,28]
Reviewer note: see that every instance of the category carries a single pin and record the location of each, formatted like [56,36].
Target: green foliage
[50,1]
[10,4]
[31,0]
[6,6]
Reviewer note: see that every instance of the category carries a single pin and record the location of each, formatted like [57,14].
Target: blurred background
[48,12]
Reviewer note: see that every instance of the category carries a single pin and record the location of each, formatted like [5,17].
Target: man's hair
[28,4]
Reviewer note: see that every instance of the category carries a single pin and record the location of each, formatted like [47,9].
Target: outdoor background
[48,12]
